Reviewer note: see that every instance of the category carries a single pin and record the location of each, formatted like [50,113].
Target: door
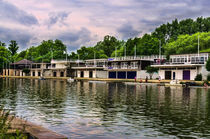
[186,75]
[54,74]
[131,74]
[90,74]
[112,74]
[121,75]
[82,74]
[174,75]
[168,75]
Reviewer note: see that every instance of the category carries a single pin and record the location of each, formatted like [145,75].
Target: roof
[177,65]
[23,62]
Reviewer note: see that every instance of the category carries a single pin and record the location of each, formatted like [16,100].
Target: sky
[85,22]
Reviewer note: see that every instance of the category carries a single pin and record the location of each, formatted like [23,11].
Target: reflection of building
[183,67]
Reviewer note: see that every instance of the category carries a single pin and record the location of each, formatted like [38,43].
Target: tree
[4,57]
[108,45]
[2,44]
[208,65]
[151,70]
[13,47]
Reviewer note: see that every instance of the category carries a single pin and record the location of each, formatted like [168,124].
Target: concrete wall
[101,74]
[142,74]
[86,74]
[60,66]
[94,74]
[203,71]
[193,74]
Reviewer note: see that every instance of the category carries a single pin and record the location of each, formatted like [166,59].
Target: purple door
[186,75]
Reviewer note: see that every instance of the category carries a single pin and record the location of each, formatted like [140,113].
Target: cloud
[75,38]
[21,36]
[127,31]
[76,22]
[59,17]
[10,12]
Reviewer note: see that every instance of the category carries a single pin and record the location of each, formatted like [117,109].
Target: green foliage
[5,122]
[205,82]
[170,31]
[4,57]
[208,77]
[5,125]
[108,45]
[13,47]
[2,44]
[188,44]
[208,65]
[26,70]
[151,70]
[198,77]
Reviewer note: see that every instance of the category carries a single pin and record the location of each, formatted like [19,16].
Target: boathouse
[183,67]
[127,67]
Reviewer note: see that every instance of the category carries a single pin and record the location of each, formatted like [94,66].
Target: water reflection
[110,110]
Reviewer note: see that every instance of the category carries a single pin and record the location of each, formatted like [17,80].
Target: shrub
[5,125]
[198,77]
[208,77]
[26,70]
[207,82]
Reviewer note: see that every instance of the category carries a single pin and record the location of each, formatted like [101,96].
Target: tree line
[177,37]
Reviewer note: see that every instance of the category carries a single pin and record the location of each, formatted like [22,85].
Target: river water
[109,110]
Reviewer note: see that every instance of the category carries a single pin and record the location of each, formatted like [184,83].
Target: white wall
[86,74]
[101,74]
[60,66]
[94,74]
[161,74]
[142,75]
[204,72]
[193,74]
[78,73]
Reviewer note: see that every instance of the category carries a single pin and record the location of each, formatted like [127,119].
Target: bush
[198,77]
[208,77]
[207,82]
[5,126]
[26,70]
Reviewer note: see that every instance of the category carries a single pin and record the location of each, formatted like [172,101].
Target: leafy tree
[4,57]
[13,47]
[198,77]
[208,65]
[188,44]
[108,45]
[2,44]
[151,70]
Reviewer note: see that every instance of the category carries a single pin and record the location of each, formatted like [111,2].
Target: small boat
[70,80]
[42,78]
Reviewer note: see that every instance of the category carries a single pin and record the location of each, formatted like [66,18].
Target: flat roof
[177,65]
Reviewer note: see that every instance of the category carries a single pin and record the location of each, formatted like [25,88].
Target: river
[109,110]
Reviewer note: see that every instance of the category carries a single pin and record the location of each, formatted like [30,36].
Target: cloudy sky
[84,22]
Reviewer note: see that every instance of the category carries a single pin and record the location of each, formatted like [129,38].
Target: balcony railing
[121,67]
[152,57]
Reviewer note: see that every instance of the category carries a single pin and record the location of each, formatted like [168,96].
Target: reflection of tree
[8,93]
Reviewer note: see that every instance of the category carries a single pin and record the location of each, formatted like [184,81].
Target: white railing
[152,57]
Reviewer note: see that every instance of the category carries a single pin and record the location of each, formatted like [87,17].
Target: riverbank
[105,79]
[34,130]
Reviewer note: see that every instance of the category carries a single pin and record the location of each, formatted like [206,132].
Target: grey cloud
[12,13]
[74,39]
[22,37]
[127,31]
[57,18]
